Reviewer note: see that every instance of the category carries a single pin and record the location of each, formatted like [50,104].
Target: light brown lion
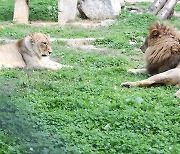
[31,52]
[162,56]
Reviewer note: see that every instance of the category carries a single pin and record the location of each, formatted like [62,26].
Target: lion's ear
[154,33]
[48,35]
[32,40]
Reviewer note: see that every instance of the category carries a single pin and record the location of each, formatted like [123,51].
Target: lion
[162,56]
[31,52]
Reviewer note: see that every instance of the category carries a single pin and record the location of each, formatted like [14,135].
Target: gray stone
[107,23]
[99,9]
[66,10]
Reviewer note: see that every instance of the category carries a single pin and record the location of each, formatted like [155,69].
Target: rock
[106,23]
[66,10]
[99,9]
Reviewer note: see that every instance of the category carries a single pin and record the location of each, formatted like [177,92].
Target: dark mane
[164,29]
[164,48]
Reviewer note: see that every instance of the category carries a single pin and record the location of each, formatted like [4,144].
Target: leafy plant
[84,109]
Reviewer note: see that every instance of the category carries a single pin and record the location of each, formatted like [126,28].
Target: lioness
[162,56]
[31,52]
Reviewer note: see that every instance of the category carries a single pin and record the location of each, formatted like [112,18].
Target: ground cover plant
[84,109]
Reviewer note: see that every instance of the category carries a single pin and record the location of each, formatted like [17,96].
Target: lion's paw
[68,66]
[126,84]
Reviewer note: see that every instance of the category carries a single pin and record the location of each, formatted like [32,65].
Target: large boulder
[99,9]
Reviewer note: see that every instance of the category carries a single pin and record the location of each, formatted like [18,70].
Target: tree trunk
[66,10]
[156,6]
[164,9]
[167,10]
[21,11]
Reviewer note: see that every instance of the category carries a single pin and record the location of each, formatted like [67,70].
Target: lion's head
[161,48]
[39,44]
[158,32]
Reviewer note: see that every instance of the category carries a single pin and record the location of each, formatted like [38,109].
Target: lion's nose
[141,47]
[50,51]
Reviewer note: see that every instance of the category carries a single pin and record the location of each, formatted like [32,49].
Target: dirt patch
[82,23]
[43,23]
[83,44]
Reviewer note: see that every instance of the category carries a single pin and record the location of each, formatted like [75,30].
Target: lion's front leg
[142,83]
[171,77]
[51,65]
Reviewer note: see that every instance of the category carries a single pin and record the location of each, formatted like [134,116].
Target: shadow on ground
[22,129]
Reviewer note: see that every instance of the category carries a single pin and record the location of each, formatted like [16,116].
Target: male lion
[162,56]
[31,52]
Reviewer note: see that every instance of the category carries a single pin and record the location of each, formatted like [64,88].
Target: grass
[84,110]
